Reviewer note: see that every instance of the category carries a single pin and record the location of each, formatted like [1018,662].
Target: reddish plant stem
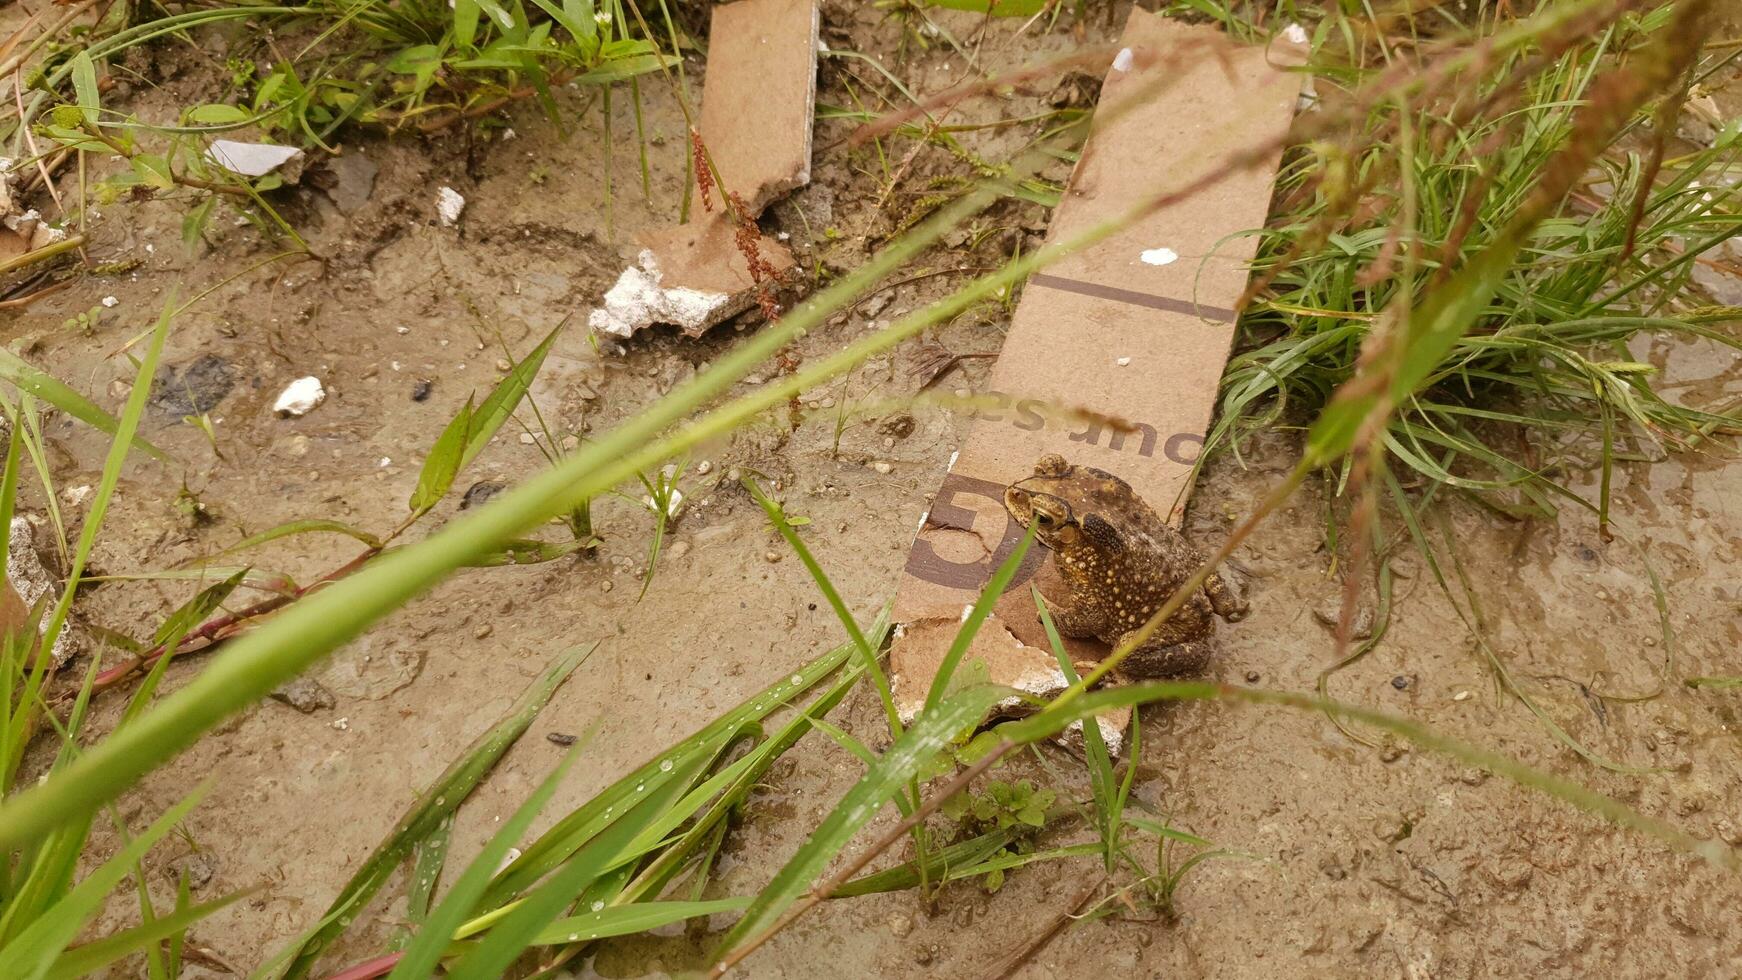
[215,631]
[380,966]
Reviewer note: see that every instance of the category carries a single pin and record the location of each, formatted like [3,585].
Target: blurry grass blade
[510,935]
[988,598]
[28,379]
[531,551]
[443,463]
[624,920]
[428,861]
[1094,743]
[916,747]
[87,959]
[33,953]
[937,865]
[170,634]
[426,948]
[196,610]
[501,402]
[1717,683]
[573,831]
[125,428]
[868,655]
[436,804]
[311,526]
[85,86]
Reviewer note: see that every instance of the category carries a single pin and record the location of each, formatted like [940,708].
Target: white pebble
[1295,34]
[110,301]
[1159,256]
[449,204]
[1123,60]
[300,397]
[1123,361]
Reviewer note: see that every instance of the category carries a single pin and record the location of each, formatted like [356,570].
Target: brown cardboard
[1137,327]
[759,97]
[758,108]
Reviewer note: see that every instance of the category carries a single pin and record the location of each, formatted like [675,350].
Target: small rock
[772,557]
[1252,677]
[1400,682]
[678,549]
[571,443]
[110,302]
[482,632]
[561,738]
[1461,696]
[298,445]
[607,585]
[504,365]
[704,467]
[897,426]
[883,467]
[199,866]
[527,439]
[421,388]
[876,303]
[449,205]
[673,504]
[305,695]
[1329,611]
[478,494]
[300,397]
[900,926]
[76,497]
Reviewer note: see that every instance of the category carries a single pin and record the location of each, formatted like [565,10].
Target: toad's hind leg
[1225,598]
[1175,660]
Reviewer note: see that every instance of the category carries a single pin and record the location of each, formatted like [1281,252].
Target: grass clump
[1547,384]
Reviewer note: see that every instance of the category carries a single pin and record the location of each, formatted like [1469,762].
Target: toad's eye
[1044,519]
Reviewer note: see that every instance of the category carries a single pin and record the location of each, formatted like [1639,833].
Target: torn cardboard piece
[692,276]
[22,229]
[1137,327]
[758,108]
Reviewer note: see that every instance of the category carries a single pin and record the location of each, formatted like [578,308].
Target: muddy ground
[1376,861]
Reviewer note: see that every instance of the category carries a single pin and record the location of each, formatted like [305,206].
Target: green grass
[1423,188]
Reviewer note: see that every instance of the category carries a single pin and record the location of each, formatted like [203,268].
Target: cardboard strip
[758,110]
[1137,327]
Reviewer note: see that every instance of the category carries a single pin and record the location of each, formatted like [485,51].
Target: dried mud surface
[1375,861]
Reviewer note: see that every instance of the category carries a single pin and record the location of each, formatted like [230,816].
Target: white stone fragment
[300,397]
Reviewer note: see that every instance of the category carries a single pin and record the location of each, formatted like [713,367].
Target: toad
[1115,562]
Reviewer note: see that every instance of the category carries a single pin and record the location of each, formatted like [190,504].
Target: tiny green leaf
[444,462]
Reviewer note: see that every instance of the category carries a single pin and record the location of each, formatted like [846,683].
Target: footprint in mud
[194,388]
[373,668]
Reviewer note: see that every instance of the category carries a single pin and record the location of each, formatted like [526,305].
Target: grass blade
[505,398]
[33,953]
[626,920]
[917,746]
[426,948]
[25,378]
[434,806]
[86,959]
